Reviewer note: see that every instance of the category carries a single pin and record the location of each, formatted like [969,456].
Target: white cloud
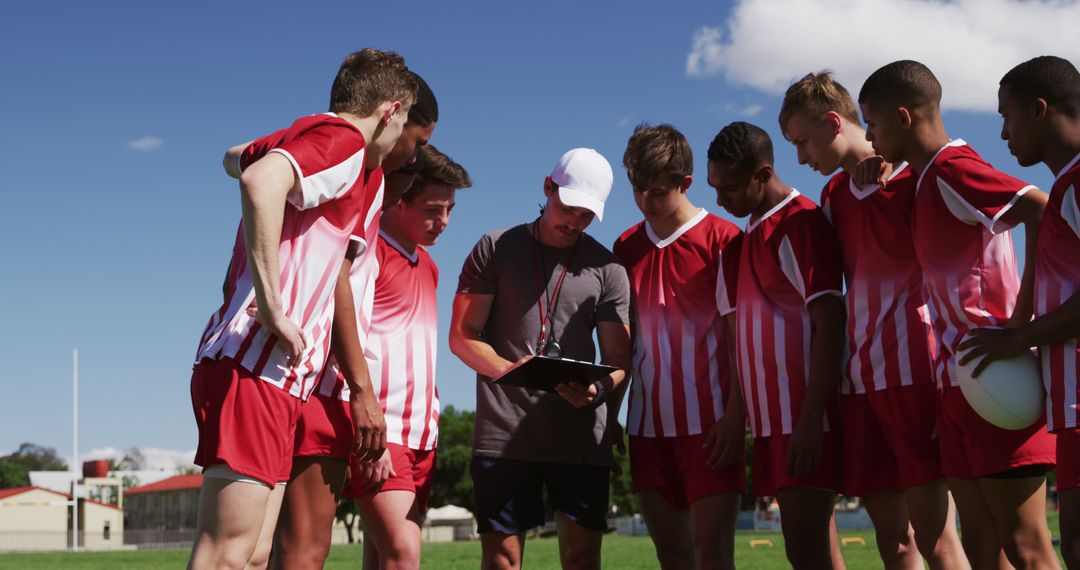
[146,143]
[969,44]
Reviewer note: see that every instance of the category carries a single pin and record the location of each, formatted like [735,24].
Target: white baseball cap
[584,178]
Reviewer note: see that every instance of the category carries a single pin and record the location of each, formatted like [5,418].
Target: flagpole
[75,450]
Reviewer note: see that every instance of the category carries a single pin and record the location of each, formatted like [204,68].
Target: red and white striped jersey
[327,154]
[680,287]
[889,334]
[1057,279]
[964,247]
[362,275]
[790,256]
[402,344]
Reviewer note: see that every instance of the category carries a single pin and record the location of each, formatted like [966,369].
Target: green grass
[622,552]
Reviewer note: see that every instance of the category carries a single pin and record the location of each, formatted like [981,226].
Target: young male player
[545,288]
[686,431]
[302,191]
[962,212]
[337,419]
[790,334]
[889,399]
[1039,102]
[401,349]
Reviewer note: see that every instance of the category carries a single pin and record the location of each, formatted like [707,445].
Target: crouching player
[302,190]
[889,400]
[1039,102]
[962,212]
[400,349]
[790,335]
[686,431]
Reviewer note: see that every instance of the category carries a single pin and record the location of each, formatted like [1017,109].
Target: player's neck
[367,126]
[927,140]
[775,192]
[858,151]
[1063,149]
[664,227]
[390,227]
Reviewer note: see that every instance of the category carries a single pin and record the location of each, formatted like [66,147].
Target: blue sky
[118,220]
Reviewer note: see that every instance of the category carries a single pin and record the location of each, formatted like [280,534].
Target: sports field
[624,553]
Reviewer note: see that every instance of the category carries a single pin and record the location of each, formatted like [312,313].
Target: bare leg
[231,516]
[669,529]
[502,551]
[892,531]
[805,522]
[979,535]
[933,517]
[712,520]
[307,519]
[579,547]
[1069,507]
[261,556]
[392,522]
[1019,510]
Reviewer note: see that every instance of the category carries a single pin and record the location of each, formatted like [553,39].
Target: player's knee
[403,551]
[580,556]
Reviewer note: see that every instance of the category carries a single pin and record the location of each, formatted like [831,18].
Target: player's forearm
[262,221]
[345,338]
[826,350]
[734,407]
[1028,210]
[1055,327]
[231,162]
[477,353]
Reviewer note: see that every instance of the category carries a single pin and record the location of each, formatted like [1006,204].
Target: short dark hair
[1048,77]
[368,78]
[652,151]
[743,145]
[425,111]
[904,83]
[438,168]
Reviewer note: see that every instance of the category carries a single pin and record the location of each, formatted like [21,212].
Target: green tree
[13,475]
[621,497]
[35,457]
[452,484]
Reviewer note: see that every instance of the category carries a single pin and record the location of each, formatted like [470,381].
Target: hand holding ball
[1008,391]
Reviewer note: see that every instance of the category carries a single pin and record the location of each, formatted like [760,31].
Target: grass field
[621,552]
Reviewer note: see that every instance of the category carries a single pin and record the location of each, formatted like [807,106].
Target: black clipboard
[544,372]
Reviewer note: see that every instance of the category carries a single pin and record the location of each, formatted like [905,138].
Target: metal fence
[129,539]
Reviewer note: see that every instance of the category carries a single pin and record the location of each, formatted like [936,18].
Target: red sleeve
[810,257]
[976,192]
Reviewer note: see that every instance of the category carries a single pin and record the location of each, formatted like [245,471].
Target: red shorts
[770,465]
[244,422]
[413,469]
[971,447]
[325,428]
[889,439]
[675,466]
[1068,458]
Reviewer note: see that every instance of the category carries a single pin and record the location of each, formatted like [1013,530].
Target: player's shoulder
[1069,176]
[636,230]
[836,183]
[958,158]
[802,212]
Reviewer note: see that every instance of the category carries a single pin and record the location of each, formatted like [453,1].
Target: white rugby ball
[1009,393]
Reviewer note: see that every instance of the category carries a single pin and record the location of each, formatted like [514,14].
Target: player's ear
[549,186]
[685,183]
[903,117]
[764,174]
[390,111]
[832,118]
[1041,107]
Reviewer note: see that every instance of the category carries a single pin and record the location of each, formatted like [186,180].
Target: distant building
[163,513]
[32,518]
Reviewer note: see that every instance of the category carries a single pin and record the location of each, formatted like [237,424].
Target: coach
[543,288]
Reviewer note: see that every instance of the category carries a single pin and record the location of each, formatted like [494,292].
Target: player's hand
[369,426]
[725,442]
[577,395]
[372,474]
[289,334]
[619,446]
[990,344]
[804,447]
[873,170]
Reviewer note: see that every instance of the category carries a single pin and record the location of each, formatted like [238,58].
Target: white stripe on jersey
[693,411]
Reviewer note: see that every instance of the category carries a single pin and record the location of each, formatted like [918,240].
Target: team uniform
[681,371]
[245,396]
[969,272]
[401,349]
[790,257]
[1057,278]
[889,396]
[325,427]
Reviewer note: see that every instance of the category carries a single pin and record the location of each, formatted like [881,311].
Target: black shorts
[510,493]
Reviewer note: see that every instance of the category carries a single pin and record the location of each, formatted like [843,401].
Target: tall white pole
[75,450]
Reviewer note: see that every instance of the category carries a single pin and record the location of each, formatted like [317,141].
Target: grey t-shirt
[532,425]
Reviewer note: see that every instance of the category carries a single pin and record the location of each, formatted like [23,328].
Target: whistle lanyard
[547,318]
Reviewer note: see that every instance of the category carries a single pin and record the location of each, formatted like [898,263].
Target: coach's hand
[873,170]
[369,425]
[374,473]
[725,442]
[619,441]
[991,344]
[577,395]
[804,447]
